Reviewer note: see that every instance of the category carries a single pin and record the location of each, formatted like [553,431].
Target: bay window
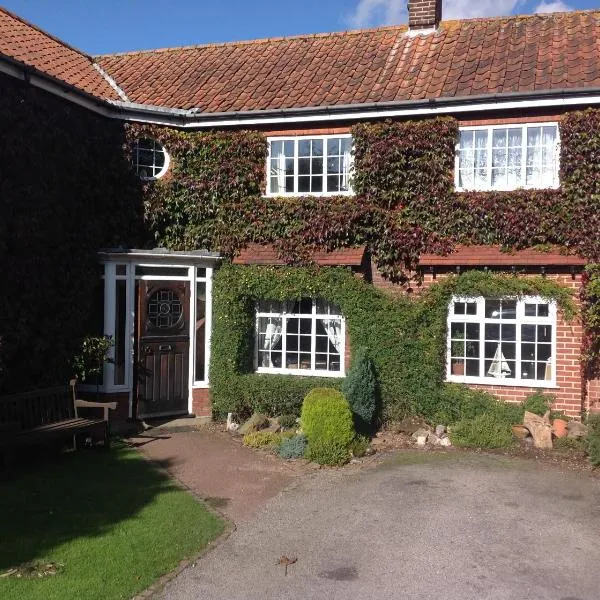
[309,165]
[504,341]
[303,337]
[508,157]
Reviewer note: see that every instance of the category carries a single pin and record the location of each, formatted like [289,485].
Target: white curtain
[499,367]
[346,161]
[333,328]
[277,167]
[273,334]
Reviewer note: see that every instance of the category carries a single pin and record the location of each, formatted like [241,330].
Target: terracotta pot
[559,428]
[458,368]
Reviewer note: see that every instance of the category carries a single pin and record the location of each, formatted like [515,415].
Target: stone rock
[433,439]
[370,451]
[576,429]
[420,433]
[445,441]
[231,424]
[440,430]
[255,423]
[274,425]
[421,440]
[409,425]
[540,429]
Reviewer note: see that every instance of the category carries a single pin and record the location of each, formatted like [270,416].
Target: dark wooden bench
[39,416]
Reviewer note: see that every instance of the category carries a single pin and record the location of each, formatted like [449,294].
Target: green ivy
[406,337]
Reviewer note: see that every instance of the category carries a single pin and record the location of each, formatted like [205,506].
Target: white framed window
[507,157]
[300,337]
[150,159]
[309,165]
[504,341]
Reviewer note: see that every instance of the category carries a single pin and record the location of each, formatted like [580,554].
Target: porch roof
[160,254]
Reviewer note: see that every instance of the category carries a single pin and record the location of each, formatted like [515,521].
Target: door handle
[165,348]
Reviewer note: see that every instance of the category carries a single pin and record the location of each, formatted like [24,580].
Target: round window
[150,159]
[165,310]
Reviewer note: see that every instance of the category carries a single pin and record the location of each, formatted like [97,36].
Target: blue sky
[120,25]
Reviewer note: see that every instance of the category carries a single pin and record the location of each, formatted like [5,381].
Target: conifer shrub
[328,425]
[360,390]
[294,447]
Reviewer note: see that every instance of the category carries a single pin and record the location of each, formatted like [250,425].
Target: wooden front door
[163,347]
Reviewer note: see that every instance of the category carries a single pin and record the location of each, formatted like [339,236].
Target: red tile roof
[256,254]
[29,45]
[463,58]
[490,256]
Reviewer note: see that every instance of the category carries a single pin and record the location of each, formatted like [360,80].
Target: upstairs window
[301,337]
[309,165]
[508,157]
[150,159]
[502,341]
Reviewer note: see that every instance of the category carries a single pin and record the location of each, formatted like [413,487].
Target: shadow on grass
[82,494]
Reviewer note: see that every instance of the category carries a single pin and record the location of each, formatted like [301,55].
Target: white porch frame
[164,259]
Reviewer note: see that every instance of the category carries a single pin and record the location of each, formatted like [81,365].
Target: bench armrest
[87,404]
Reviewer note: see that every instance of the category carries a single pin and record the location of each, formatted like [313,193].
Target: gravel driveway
[451,526]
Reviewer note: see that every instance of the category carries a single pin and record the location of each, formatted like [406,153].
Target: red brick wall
[201,405]
[424,14]
[571,393]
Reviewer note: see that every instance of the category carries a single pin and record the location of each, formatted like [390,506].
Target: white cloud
[548,6]
[466,9]
[369,13]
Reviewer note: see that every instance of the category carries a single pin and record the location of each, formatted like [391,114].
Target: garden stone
[421,440]
[433,439]
[576,429]
[255,423]
[445,441]
[420,433]
[440,430]
[540,429]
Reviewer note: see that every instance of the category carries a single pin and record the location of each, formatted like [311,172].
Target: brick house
[509,82]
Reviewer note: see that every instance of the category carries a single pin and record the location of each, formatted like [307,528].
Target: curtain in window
[333,328]
[273,334]
[499,367]
[347,146]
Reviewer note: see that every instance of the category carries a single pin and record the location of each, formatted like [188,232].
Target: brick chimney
[424,14]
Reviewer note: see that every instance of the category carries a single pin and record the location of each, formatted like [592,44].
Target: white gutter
[195,119]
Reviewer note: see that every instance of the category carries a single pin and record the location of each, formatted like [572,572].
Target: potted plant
[559,424]
[94,353]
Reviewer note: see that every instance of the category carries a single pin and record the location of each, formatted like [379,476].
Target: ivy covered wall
[66,190]
[404,202]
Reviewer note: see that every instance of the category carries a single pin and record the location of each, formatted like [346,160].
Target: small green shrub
[359,445]
[538,403]
[360,389]
[293,447]
[459,402]
[593,439]
[568,443]
[328,425]
[482,431]
[288,421]
[262,439]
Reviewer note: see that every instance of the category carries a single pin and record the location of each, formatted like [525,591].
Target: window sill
[200,385]
[300,372]
[503,382]
[460,190]
[310,194]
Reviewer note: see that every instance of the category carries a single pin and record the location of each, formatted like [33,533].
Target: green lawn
[114,522]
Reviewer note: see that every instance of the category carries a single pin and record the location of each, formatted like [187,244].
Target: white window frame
[314,316]
[490,129]
[207,279]
[135,151]
[296,139]
[519,321]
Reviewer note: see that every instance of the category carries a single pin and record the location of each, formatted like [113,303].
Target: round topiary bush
[328,425]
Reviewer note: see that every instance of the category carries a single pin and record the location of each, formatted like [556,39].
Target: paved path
[454,526]
[236,480]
